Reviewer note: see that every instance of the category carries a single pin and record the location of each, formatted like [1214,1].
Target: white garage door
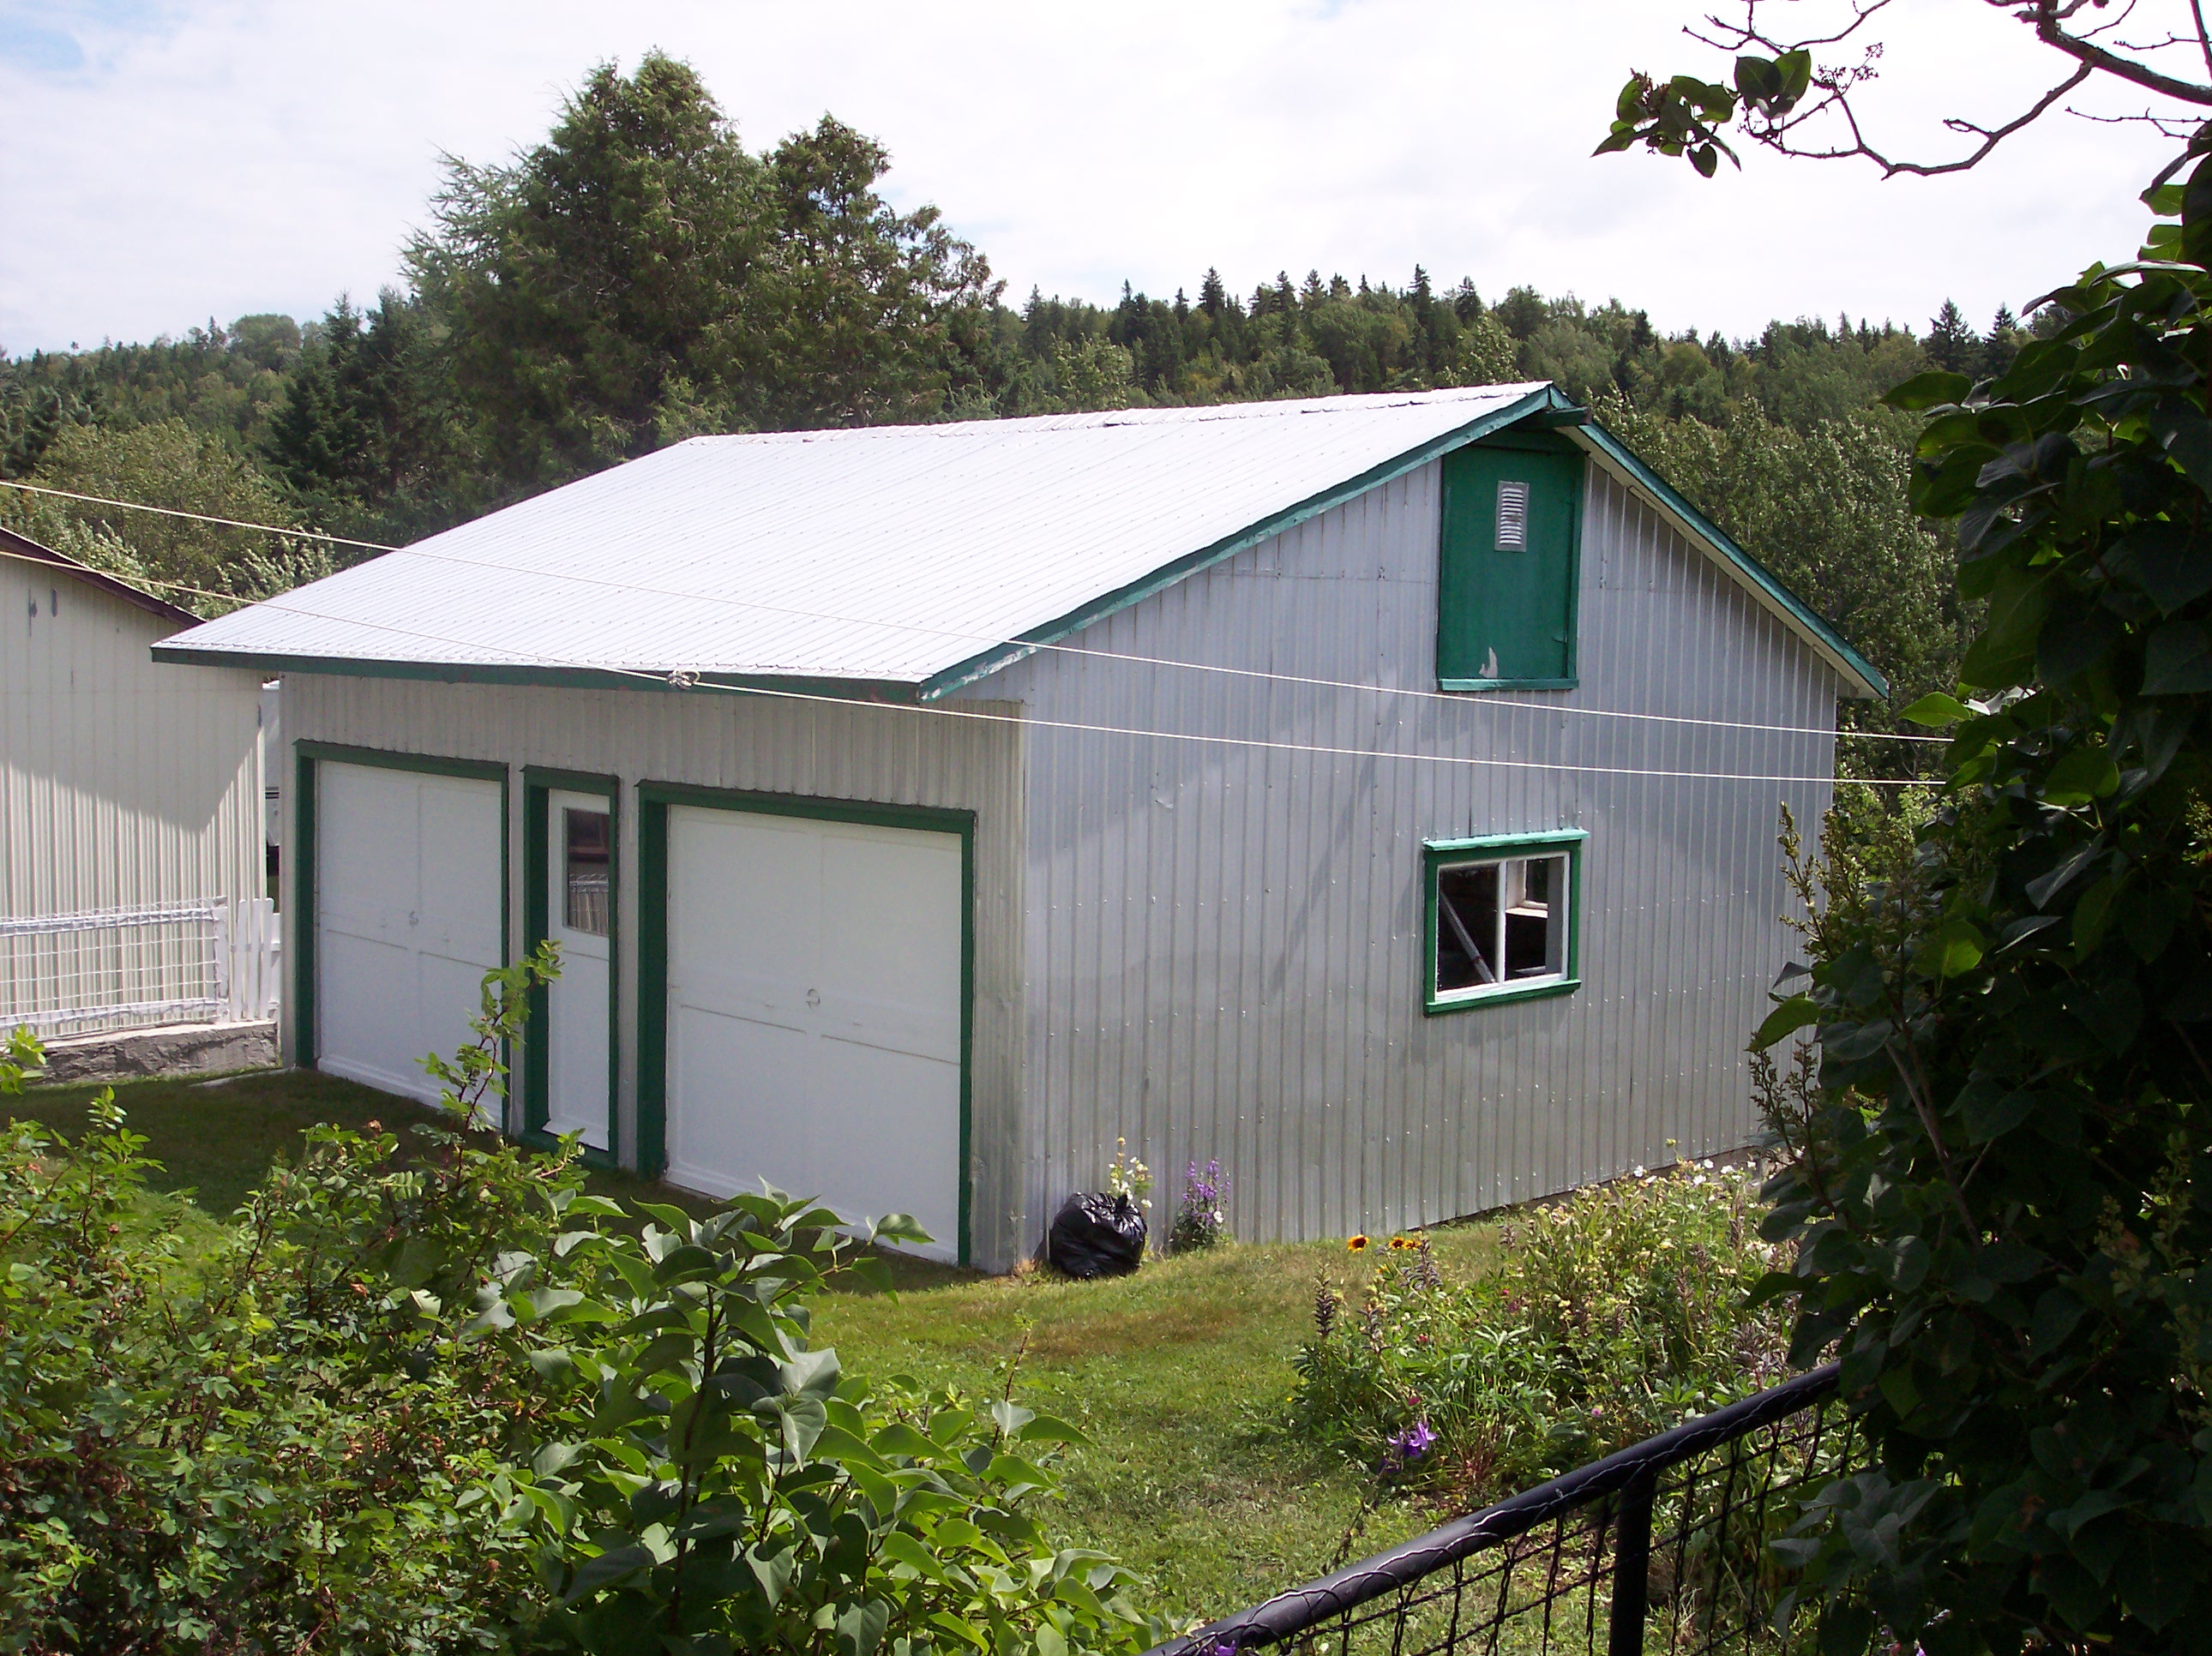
[407,918]
[814,983]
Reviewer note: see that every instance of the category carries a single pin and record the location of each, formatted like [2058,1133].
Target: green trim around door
[1437,855]
[302,854]
[653,800]
[539,783]
[306,756]
[429,764]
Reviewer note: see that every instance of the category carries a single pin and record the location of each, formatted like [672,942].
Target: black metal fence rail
[1576,1564]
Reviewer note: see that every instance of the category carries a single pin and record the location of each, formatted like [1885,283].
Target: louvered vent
[1513,516]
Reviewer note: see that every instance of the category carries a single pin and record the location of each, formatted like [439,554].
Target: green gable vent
[1506,587]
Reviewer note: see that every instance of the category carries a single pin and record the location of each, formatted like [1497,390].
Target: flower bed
[1614,1315]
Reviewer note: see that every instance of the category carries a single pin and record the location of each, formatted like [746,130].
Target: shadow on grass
[216,1140]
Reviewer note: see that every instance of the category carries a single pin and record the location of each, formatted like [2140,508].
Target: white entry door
[814,1013]
[408,899]
[579,910]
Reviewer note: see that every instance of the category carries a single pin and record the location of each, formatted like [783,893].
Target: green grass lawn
[1178,1375]
[216,1140]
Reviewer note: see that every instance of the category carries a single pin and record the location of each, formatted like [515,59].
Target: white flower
[1639,1170]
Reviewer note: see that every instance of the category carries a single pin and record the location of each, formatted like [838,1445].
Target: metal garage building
[1378,793]
[129,805]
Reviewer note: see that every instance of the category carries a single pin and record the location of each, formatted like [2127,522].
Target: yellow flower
[1402,1242]
[1357,1244]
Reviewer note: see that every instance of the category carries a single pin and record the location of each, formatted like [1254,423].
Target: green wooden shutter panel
[1506,600]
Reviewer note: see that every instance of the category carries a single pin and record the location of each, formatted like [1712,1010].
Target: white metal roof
[903,556]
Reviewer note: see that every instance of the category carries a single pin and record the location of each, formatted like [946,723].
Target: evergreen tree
[1522,311]
[640,276]
[1951,345]
[2002,345]
[367,441]
[856,313]
[584,280]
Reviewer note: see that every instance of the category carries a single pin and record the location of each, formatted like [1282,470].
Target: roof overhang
[1549,408]
[1536,407]
[1548,400]
[567,678]
[23,549]
[1860,679]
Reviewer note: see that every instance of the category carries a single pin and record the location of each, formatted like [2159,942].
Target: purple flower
[1414,1442]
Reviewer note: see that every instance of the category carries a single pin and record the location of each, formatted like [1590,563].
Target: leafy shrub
[1203,1218]
[1615,1314]
[285,1435]
[713,1482]
[463,1405]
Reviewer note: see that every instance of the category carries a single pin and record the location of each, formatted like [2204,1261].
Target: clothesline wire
[987,640]
[197,517]
[944,710]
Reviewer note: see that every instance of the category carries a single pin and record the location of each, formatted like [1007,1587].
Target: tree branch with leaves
[1786,94]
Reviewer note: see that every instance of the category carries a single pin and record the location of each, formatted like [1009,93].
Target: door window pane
[585,833]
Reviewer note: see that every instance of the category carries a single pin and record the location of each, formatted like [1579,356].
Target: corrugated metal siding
[1223,945]
[122,782]
[716,739]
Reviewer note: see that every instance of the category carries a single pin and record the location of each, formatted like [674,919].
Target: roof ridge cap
[1102,419]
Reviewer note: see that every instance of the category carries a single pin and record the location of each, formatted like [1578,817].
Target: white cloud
[217,157]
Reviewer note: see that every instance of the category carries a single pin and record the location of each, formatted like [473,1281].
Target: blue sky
[169,161]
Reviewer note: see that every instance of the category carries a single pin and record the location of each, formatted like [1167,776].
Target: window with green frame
[1508,564]
[1500,917]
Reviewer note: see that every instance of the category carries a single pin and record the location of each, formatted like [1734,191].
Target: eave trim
[31,551]
[1825,638]
[573,678]
[999,657]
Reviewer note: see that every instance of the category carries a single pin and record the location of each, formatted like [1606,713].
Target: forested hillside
[642,277]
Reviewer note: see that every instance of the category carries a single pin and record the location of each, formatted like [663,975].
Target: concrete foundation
[173,1049]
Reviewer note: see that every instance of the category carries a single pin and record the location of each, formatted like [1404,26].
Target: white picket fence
[128,968]
[253,942]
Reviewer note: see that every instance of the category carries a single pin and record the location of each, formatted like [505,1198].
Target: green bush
[463,1405]
[1614,1315]
[714,1483]
[281,1433]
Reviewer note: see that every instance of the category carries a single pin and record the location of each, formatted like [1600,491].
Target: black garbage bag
[1094,1234]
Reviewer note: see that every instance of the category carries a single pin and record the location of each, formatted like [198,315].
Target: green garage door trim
[538,784]
[304,756]
[653,800]
[1524,606]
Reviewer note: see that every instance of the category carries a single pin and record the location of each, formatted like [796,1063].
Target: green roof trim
[1550,408]
[1750,567]
[567,678]
[1547,408]
[1001,656]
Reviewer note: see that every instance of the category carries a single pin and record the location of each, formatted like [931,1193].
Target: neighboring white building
[129,789]
[1378,793]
